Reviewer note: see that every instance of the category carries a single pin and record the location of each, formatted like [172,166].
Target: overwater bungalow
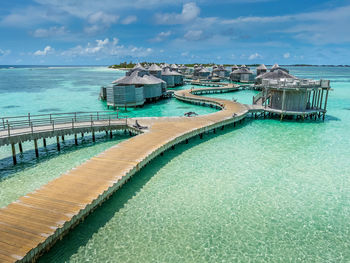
[172,78]
[203,73]
[155,70]
[174,67]
[220,71]
[234,67]
[137,67]
[261,69]
[276,74]
[276,66]
[184,70]
[285,94]
[243,74]
[134,90]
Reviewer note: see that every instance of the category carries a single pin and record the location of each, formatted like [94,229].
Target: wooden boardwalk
[32,224]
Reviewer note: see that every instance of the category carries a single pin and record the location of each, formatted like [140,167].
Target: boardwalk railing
[51,122]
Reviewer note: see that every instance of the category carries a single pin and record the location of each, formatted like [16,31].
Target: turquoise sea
[265,191]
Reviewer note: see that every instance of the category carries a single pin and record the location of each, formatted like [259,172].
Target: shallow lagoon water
[266,191]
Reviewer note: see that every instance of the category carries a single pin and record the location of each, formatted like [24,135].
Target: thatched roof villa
[243,74]
[261,69]
[134,89]
[285,94]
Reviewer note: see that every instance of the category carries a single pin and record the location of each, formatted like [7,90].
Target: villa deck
[32,224]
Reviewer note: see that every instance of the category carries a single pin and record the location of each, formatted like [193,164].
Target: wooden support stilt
[201,135]
[214,131]
[162,153]
[222,127]
[186,141]
[20,147]
[173,147]
[14,154]
[44,142]
[36,148]
[234,124]
[58,143]
[62,138]
[76,139]
[107,133]
[82,134]
[130,133]
[93,136]
[110,134]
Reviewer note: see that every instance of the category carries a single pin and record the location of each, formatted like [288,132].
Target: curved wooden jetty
[32,224]
[15,130]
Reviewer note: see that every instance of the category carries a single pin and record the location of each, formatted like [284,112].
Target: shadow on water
[81,234]
[49,110]
[28,159]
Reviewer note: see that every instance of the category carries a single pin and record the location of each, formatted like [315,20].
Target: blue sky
[91,32]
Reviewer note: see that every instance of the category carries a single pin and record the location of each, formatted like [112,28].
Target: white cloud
[185,54]
[254,56]
[4,52]
[99,21]
[193,35]
[50,32]
[129,20]
[190,11]
[44,52]
[102,18]
[30,16]
[286,55]
[161,36]
[106,48]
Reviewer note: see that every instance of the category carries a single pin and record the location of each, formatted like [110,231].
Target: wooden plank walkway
[32,224]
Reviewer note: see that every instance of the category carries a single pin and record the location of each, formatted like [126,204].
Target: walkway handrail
[257,97]
[49,122]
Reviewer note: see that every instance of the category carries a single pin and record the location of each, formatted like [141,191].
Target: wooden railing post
[8,128]
[91,120]
[31,126]
[29,118]
[53,125]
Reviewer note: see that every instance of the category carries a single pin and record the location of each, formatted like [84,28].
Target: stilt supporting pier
[36,148]
[110,134]
[62,138]
[44,142]
[93,136]
[76,139]
[20,147]
[14,154]
[58,143]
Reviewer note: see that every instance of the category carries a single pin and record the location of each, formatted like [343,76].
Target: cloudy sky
[91,32]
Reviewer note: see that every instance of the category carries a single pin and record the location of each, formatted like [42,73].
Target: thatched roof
[276,74]
[168,72]
[275,66]
[243,70]
[135,79]
[204,70]
[138,66]
[154,67]
[261,67]
[174,66]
